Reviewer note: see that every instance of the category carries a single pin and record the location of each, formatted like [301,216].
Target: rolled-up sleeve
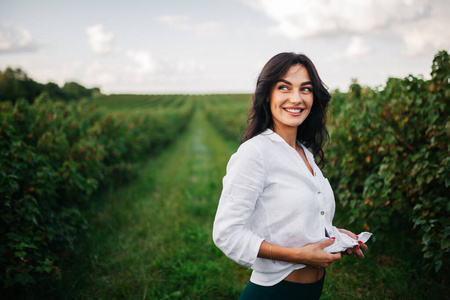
[242,186]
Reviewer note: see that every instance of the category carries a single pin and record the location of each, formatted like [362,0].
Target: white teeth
[293,110]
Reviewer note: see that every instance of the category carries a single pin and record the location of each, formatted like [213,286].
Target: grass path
[153,238]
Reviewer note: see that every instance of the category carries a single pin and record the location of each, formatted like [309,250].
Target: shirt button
[322,212]
[318,193]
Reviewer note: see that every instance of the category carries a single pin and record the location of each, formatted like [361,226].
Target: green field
[152,238]
[114,197]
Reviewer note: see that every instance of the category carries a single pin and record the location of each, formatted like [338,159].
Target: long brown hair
[312,132]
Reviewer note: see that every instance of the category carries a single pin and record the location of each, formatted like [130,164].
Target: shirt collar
[272,135]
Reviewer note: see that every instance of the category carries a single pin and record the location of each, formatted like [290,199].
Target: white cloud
[143,59]
[357,47]
[422,25]
[426,35]
[185,23]
[134,72]
[100,40]
[87,73]
[303,18]
[15,39]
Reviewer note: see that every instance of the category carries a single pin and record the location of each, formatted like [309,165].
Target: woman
[276,209]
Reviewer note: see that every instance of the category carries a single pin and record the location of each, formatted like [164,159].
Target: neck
[288,134]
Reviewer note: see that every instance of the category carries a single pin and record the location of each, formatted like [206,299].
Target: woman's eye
[283,88]
[307,89]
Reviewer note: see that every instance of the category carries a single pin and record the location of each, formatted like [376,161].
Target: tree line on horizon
[15,84]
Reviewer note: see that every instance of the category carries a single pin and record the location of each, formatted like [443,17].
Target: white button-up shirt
[269,194]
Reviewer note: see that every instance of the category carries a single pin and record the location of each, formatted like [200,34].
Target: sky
[218,46]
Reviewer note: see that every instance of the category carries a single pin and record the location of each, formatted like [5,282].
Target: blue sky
[218,46]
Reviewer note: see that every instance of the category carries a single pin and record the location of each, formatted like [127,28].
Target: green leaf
[426,238]
[445,243]
[20,254]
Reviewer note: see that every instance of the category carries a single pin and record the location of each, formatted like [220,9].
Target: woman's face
[291,99]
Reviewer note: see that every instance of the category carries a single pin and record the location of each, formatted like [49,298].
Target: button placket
[321,207]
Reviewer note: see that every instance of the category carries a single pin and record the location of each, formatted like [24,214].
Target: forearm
[311,254]
[275,252]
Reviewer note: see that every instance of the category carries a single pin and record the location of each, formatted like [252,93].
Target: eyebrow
[302,84]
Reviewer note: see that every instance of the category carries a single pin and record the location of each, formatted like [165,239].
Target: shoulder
[261,140]
[258,146]
[252,153]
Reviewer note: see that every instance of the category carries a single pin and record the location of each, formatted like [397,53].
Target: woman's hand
[314,255]
[358,250]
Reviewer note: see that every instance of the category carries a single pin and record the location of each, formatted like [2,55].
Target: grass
[152,239]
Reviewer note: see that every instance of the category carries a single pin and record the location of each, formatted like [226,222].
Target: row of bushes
[53,157]
[228,114]
[388,159]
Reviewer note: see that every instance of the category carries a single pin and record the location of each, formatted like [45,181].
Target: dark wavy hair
[312,132]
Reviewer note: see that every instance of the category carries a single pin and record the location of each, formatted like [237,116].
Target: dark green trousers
[284,290]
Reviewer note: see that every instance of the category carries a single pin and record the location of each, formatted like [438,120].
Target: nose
[296,98]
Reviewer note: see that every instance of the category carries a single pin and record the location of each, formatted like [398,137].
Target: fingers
[336,256]
[358,252]
[320,258]
[359,249]
[327,243]
[363,246]
[349,233]
[331,257]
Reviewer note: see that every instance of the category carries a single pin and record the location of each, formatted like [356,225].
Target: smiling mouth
[294,110]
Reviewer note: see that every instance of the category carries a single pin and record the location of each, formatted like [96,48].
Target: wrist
[298,255]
